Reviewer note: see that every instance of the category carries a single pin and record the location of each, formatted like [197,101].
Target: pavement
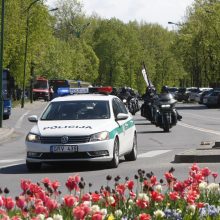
[206,152]
[5,133]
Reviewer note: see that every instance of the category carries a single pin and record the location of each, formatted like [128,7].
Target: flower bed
[143,198]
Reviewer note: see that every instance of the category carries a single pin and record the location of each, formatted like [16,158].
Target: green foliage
[69,45]
[198,43]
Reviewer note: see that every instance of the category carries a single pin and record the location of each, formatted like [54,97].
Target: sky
[149,11]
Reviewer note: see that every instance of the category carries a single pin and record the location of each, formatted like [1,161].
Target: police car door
[122,125]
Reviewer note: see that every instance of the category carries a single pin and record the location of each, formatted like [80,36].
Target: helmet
[164,89]
[123,89]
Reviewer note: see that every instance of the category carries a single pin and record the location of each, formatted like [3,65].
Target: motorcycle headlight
[101,136]
[165,106]
[124,100]
[33,138]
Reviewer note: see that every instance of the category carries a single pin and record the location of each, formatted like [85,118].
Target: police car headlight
[101,136]
[33,138]
[165,106]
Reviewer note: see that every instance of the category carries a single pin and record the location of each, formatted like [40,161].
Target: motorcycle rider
[124,94]
[165,90]
[149,98]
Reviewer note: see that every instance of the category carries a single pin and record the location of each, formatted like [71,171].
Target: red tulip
[25,184]
[153,180]
[95,197]
[41,210]
[9,203]
[20,202]
[55,185]
[97,216]
[51,204]
[70,200]
[206,171]
[81,211]
[215,175]
[144,216]
[72,183]
[86,197]
[130,184]
[174,196]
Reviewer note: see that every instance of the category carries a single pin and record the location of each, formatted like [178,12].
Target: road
[156,149]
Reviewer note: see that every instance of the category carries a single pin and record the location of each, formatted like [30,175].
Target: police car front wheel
[115,161]
[133,154]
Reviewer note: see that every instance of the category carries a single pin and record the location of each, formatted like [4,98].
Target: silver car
[212,99]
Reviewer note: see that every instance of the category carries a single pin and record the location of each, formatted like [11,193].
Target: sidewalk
[207,152]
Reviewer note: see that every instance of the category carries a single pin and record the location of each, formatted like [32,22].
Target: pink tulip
[97,216]
[20,202]
[70,200]
[9,203]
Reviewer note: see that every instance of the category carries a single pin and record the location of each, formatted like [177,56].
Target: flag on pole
[144,73]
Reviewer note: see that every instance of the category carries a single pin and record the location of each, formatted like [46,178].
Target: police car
[82,127]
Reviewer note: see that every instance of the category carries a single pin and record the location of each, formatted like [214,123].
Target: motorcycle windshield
[167,99]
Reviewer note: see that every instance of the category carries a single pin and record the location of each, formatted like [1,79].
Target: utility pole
[25,52]
[1,61]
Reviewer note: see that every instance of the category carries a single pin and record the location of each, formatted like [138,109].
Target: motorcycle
[148,109]
[165,114]
[132,105]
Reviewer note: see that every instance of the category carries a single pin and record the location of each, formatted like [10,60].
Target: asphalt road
[156,149]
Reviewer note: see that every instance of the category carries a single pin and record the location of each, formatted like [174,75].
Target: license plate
[204,100]
[63,148]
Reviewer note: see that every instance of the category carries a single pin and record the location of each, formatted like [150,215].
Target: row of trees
[68,44]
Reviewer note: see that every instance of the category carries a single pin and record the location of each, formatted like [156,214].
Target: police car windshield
[77,110]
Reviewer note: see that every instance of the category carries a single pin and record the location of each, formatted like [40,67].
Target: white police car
[85,127]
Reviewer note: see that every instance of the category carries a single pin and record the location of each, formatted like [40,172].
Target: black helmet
[164,89]
[123,89]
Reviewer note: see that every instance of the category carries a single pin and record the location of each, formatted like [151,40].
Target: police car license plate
[63,148]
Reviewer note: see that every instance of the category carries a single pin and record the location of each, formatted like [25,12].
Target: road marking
[10,161]
[199,129]
[19,122]
[153,153]
[10,165]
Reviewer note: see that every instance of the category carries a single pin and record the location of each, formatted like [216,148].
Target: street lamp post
[1,61]
[25,51]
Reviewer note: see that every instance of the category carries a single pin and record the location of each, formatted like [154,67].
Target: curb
[205,153]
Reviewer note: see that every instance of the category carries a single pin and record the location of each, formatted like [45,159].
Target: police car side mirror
[121,116]
[33,118]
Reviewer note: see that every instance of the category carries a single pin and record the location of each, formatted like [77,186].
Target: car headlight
[101,136]
[33,138]
[165,106]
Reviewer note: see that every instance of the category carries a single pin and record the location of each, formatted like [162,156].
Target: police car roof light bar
[62,91]
[101,90]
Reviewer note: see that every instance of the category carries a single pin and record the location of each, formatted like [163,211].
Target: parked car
[199,96]
[192,93]
[182,94]
[173,90]
[212,99]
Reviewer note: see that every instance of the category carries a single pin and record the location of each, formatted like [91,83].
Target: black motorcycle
[148,109]
[165,114]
